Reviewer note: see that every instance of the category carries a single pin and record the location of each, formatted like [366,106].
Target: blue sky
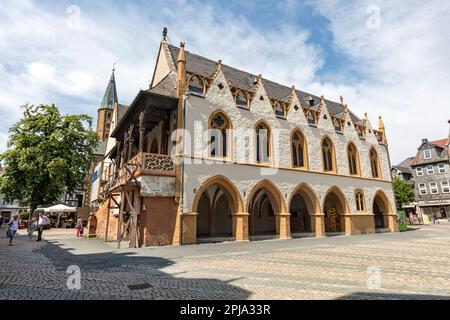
[384,57]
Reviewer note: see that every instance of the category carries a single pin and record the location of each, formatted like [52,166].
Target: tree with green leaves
[404,193]
[47,153]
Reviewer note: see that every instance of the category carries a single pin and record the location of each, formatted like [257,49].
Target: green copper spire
[110,97]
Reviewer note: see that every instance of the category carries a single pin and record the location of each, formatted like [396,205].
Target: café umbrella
[60,209]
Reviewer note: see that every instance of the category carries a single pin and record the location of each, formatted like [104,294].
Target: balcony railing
[141,164]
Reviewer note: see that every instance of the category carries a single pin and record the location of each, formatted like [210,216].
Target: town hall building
[212,153]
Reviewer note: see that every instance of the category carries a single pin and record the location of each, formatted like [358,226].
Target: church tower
[105,112]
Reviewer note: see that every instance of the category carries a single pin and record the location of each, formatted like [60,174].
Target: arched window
[375,164]
[262,143]
[353,160]
[196,85]
[219,127]
[299,156]
[360,204]
[328,155]
[338,125]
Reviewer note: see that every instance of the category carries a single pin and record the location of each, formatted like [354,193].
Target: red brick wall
[157,225]
[102,216]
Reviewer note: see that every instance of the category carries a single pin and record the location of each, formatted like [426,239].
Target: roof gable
[207,67]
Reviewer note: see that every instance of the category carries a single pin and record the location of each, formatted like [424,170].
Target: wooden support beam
[119,227]
[135,213]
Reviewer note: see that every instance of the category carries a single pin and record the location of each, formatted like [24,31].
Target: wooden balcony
[143,164]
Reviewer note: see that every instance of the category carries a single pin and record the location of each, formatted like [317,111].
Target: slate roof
[405,165]
[206,67]
[122,109]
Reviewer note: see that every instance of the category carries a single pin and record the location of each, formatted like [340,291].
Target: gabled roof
[440,143]
[110,96]
[405,165]
[206,67]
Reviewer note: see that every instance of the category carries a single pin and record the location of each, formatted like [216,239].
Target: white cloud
[404,64]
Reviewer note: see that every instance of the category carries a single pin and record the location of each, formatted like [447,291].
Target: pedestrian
[43,221]
[1,221]
[31,227]
[13,226]
[79,227]
[411,218]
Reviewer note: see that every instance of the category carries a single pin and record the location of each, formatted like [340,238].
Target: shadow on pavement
[391,296]
[131,275]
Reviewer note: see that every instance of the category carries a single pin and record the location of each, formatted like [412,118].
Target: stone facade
[230,196]
[431,174]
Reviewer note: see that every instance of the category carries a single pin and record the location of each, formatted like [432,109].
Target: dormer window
[196,85]
[311,101]
[338,126]
[279,110]
[241,100]
[427,154]
[311,119]
[360,131]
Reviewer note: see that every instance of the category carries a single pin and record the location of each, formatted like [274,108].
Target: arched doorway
[381,208]
[302,206]
[335,206]
[265,202]
[215,213]
[215,203]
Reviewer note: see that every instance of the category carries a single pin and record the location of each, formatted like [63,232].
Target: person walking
[43,221]
[79,227]
[13,226]
[31,227]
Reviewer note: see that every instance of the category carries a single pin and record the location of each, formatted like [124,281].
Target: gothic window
[375,163]
[328,155]
[360,131]
[359,197]
[196,85]
[298,150]
[353,159]
[262,143]
[219,127]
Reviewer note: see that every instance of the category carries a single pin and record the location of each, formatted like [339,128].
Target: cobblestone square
[408,265]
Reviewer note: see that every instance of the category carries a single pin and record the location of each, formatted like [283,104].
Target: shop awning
[60,208]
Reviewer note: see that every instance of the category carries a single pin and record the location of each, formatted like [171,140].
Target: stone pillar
[189,221]
[347,220]
[390,221]
[318,224]
[283,225]
[240,226]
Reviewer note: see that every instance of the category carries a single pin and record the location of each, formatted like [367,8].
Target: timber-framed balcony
[142,164]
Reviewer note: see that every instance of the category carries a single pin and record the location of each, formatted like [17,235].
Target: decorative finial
[219,64]
[366,116]
[182,44]
[346,108]
[114,67]
[342,99]
[322,99]
[164,33]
